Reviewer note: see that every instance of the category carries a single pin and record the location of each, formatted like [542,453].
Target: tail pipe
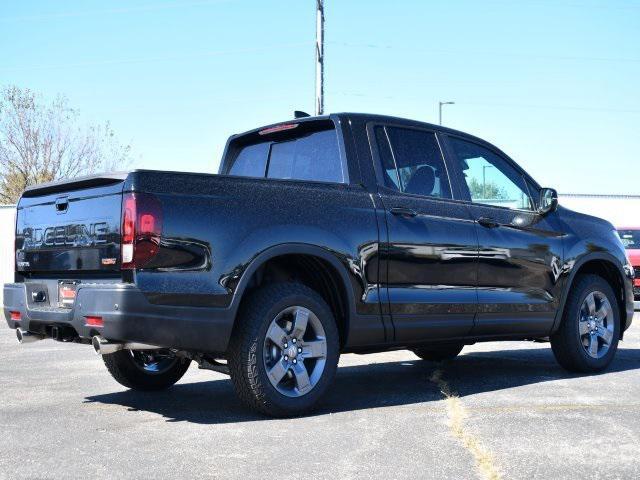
[102,346]
[25,336]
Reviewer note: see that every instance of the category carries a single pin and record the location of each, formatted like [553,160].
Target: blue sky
[553,83]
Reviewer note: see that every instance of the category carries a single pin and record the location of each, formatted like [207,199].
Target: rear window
[313,156]
[251,161]
[630,239]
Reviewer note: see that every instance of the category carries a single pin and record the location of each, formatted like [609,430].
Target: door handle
[403,212]
[488,222]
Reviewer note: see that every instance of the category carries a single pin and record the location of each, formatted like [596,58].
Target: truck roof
[364,117]
[113,177]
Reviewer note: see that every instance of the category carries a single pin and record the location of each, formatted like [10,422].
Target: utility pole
[484,180]
[440,104]
[319,57]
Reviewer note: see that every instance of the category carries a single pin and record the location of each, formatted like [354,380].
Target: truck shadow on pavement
[373,385]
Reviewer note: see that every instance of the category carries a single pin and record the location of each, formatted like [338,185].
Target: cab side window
[412,162]
[489,178]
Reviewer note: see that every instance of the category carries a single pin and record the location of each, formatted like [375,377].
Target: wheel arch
[605,266]
[311,265]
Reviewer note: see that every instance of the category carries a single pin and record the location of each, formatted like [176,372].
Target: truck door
[430,255]
[520,251]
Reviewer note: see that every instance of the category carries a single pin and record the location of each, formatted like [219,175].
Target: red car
[631,240]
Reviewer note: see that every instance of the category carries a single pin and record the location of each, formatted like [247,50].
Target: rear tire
[439,353]
[132,371]
[284,350]
[587,340]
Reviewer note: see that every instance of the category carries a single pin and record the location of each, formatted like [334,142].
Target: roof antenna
[300,114]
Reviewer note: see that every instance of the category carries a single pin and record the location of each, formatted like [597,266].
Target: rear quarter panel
[236,219]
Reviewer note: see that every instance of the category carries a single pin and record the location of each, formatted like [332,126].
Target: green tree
[486,191]
[43,141]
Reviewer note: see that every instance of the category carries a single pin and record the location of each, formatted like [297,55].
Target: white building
[7,226]
[621,210]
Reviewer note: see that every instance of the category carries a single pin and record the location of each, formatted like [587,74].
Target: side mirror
[548,201]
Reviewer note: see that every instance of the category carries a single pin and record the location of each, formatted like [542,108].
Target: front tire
[146,369]
[587,339]
[284,350]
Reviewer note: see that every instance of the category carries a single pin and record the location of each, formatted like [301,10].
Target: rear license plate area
[67,293]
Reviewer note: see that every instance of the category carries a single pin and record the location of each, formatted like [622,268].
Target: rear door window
[314,156]
[412,162]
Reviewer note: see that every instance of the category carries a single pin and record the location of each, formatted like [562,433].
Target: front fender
[576,261]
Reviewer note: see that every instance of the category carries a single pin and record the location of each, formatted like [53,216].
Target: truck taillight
[93,321]
[141,229]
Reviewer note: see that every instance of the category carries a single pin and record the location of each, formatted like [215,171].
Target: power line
[487,53]
[211,53]
[502,104]
[553,107]
[112,11]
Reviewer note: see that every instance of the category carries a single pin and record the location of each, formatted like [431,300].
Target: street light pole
[319,57]
[440,104]
[484,180]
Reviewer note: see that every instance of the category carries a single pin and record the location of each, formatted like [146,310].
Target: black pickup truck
[321,235]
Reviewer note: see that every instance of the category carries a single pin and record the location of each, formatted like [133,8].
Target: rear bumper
[128,316]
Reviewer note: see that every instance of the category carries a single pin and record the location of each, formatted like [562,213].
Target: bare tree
[41,141]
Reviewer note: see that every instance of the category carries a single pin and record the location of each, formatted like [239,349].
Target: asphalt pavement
[500,410]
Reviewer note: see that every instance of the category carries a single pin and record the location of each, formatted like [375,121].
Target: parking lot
[498,410]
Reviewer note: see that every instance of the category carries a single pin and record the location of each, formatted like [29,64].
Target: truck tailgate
[70,226]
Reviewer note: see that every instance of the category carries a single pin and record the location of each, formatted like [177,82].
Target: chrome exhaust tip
[25,336]
[102,346]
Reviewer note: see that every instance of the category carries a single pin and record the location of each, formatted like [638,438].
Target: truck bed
[214,227]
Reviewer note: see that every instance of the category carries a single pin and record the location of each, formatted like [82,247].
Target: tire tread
[566,349]
[242,355]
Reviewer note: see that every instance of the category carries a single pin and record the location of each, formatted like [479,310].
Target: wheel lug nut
[299,350]
[286,357]
[293,341]
[295,361]
[286,344]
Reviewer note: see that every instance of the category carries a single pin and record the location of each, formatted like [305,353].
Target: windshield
[630,239]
